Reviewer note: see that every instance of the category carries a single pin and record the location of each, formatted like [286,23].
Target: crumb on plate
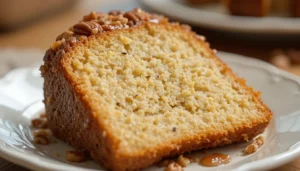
[254,146]
[174,167]
[183,161]
[41,136]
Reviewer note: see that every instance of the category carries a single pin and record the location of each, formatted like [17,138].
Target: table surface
[42,33]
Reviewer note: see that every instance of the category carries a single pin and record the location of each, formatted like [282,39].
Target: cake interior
[156,84]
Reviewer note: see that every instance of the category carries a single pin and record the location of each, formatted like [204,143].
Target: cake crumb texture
[119,95]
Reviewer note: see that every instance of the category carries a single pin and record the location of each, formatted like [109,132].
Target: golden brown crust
[67,103]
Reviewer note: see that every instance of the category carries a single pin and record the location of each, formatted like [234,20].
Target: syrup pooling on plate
[215,159]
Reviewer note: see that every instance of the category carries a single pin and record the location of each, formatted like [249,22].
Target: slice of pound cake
[131,88]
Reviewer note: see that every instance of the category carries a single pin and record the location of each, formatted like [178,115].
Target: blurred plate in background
[215,16]
[15,13]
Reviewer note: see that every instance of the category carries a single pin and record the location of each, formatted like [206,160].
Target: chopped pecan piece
[131,17]
[65,35]
[182,161]
[174,167]
[41,136]
[91,16]
[39,123]
[255,145]
[87,28]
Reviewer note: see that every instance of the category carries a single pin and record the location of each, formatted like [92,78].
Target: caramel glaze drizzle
[215,159]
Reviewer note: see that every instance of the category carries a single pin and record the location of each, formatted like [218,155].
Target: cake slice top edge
[66,43]
[97,23]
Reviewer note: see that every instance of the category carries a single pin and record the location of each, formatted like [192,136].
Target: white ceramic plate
[20,101]
[215,16]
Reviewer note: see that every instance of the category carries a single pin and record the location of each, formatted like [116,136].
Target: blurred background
[27,29]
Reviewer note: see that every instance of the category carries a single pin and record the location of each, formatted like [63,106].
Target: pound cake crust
[103,109]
